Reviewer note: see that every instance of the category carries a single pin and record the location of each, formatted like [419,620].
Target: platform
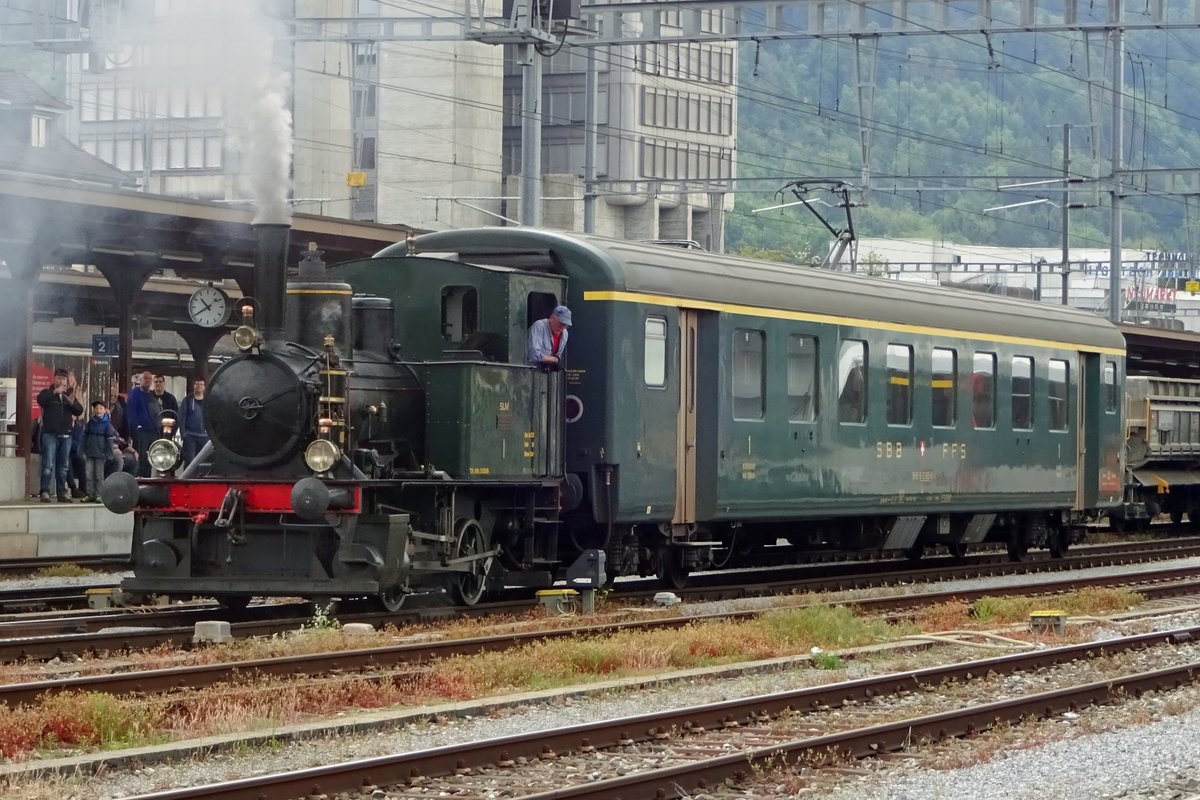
[61,530]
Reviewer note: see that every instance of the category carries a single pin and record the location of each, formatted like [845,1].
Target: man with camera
[59,409]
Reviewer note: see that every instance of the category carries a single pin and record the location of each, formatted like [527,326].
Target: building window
[365,53]
[748,352]
[655,370]
[39,131]
[1058,393]
[944,386]
[1022,393]
[852,381]
[366,152]
[802,378]
[1110,387]
[899,378]
[983,390]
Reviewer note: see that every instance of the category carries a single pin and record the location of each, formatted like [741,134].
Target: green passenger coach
[712,408]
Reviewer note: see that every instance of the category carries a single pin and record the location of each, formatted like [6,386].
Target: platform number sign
[104,345]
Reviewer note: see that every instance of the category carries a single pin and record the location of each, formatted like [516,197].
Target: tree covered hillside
[949,107]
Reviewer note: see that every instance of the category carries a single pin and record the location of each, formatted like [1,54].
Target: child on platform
[98,437]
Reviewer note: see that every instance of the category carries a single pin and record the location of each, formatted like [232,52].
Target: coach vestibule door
[1091,396]
[685,447]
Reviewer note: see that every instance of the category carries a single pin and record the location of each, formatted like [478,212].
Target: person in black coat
[59,408]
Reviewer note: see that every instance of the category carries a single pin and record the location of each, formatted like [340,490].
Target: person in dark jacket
[140,422]
[98,438]
[59,406]
[191,422]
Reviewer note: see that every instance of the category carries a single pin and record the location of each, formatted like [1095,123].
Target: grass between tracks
[96,721]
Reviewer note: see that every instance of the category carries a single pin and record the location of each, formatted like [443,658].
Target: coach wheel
[958,549]
[469,587]
[915,552]
[1177,518]
[671,569]
[234,602]
[1018,548]
[1058,544]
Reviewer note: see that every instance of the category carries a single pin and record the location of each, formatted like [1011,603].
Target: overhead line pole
[1118,141]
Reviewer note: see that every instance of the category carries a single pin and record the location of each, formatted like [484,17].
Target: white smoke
[230,47]
[257,93]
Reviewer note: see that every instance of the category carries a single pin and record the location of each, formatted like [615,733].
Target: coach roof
[603,268]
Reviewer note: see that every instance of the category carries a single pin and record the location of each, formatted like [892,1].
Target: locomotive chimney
[270,276]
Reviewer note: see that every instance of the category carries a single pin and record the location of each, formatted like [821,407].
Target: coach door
[685,448]
[1091,396]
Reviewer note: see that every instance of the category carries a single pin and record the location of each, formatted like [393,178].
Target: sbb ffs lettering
[889,449]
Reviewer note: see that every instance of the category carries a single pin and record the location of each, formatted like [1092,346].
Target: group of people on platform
[78,450]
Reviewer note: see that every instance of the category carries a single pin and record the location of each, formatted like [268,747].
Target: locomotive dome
[256,408]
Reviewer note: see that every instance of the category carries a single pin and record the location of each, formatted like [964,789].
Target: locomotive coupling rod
[229,507]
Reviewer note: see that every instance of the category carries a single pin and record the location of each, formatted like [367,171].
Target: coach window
[899,378]
[656,352]
[1022,393]
[802,378]
[460,312]
[747,374]
[1110,387]
[852,381]
[944,385]
[1057,391]
[983,390]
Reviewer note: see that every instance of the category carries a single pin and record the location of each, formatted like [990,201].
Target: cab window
[460,312]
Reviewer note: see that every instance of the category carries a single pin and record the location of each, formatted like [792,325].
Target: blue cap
[563,314]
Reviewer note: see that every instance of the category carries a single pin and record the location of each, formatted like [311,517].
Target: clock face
[209,307]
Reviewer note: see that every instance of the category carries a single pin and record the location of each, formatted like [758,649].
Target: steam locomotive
[381,432]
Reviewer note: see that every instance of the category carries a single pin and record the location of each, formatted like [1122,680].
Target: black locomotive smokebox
[256,409]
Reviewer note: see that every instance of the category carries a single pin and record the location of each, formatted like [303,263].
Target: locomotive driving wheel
[391,599]
[469,587]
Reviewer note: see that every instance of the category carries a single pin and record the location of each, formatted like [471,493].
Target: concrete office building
[666,149]
[421,133]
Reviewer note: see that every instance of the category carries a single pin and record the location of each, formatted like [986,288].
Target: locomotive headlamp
[163,455]
[321,455]
[246,337]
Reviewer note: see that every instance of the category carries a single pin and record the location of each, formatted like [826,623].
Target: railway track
[409,656]
[677,753]
[49,637]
